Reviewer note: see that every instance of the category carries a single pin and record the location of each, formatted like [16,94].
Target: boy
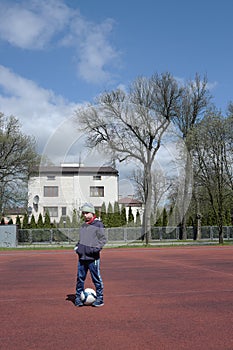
[91,241]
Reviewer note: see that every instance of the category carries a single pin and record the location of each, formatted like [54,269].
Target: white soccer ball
[88,296]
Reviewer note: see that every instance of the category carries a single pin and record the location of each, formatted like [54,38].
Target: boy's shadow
[71,297]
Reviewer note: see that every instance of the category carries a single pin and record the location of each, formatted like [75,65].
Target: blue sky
[58,54]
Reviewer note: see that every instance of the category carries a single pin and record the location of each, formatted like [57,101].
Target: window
[63,211]
[50,191]
[97,191]
[97,177]
[53,211]
[50,177]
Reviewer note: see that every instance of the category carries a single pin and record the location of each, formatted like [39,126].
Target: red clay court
[155,298]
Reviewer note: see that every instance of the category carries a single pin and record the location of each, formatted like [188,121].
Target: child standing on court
[91,241]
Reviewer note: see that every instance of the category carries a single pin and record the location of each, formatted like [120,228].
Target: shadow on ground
[71,297]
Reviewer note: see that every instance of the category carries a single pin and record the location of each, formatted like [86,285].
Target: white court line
[163,293]
[201,268]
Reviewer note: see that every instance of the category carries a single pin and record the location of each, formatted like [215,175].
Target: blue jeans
[94,268]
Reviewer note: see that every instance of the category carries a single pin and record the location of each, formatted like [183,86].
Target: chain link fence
[120,235]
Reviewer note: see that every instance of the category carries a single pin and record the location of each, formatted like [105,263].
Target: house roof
[15,211]
[130,202]
[82,170]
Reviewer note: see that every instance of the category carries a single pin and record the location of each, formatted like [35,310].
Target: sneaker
[98,303]
[78,302]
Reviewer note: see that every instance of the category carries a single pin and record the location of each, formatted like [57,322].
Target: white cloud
[212,86]
[39,111]
[47,117]
[32,24]
[94,51]
[40,24]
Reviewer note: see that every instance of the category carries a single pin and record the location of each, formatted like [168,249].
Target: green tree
[190,221]
[123,216]
[25,224]
[138,219]
[61,222]
[170,216]
[110,216]
[158,218]
[74,218]
[40,222]
[130,217]
[117,215]
[228,217]
[209,218]
[103,214]
[18,221]
[68,222]
[47,221]
[165,218]
[33,222]
[159,222]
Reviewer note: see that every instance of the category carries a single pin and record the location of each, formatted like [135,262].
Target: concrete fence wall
[8,236]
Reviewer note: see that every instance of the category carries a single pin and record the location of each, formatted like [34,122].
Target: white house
[136,206]
[62,189]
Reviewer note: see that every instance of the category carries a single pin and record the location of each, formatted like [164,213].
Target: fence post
[51,236]
[30,236]
[177,233]
[125,234]
[228,235]
[106,233]
[161,234]
[211,233]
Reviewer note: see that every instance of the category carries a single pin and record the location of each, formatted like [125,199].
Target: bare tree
[18,158]
[131,126]
[160,184]
[195,101]
[209,139]
[137,177]
[229,144]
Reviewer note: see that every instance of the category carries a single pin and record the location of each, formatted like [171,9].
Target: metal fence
[121,235]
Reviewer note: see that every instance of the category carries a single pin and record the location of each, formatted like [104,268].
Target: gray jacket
[91,240]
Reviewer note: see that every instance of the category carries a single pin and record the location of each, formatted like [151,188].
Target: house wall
[73,191]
